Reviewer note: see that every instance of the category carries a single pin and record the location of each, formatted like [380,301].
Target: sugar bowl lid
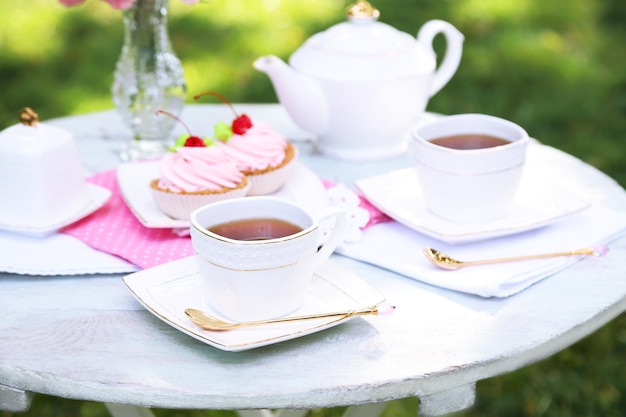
[31,136]
[362,49]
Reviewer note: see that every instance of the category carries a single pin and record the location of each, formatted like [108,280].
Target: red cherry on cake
[191,141]
[241,123]
[194,141]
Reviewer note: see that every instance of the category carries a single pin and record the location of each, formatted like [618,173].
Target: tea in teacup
[255,229]
[470,141]
[469,166]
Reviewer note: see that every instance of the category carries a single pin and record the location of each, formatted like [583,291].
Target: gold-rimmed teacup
[256,255]
[469,166]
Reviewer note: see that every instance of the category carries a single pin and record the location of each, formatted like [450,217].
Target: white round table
[86,337]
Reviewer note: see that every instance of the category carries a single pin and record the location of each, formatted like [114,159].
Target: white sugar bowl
[42,179]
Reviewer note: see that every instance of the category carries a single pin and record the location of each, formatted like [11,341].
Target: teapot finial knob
[28,117]
[362,9]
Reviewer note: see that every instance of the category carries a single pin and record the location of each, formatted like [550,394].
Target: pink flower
[120,4]
[116,4]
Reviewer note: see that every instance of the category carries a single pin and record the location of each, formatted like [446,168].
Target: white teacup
[469,185]
[266,277]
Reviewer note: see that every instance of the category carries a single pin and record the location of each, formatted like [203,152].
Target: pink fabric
[376,216]
[115,230]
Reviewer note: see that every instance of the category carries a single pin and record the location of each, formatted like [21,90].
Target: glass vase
[148,77]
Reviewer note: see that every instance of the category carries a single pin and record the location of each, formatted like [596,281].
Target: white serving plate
[539,201]
[134,180]
[98,196]
[56,254]
[168,289]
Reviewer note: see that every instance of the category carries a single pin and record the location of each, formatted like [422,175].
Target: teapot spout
[302,98]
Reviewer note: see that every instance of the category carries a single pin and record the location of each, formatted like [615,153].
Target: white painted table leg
[255,413]
[291,413]
[449,401]
[15,400]
[269,413]
[366,410]
[122,410]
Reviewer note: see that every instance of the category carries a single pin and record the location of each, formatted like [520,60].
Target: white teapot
[361,84]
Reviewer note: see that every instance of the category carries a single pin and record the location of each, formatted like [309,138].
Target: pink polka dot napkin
[115,230]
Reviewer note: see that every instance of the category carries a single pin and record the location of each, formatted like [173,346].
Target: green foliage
[555,67]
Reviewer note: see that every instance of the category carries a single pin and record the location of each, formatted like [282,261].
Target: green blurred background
[556,67]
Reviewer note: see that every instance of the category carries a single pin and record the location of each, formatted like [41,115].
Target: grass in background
[555,67]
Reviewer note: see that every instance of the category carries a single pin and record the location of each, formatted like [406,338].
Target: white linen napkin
[56,254]
[398,248]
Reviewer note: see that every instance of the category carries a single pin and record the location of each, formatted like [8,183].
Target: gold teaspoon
[443,261]
[208,322]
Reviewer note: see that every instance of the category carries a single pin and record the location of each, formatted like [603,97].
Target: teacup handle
[454,49]
[336,236]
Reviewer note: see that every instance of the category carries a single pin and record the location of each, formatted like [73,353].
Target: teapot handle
[454,49]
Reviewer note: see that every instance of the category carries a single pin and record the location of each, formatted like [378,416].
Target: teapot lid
[362,49]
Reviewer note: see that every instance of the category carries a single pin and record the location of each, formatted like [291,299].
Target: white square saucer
[97,197]
[539,201]
[168,289]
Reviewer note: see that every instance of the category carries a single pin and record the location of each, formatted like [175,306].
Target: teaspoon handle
[583,251]
[343,314]
[209,323]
